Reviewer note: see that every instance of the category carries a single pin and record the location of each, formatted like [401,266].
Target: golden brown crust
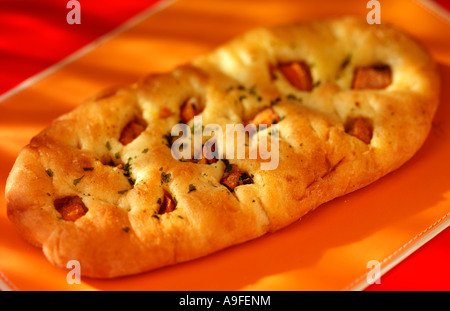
[124,185]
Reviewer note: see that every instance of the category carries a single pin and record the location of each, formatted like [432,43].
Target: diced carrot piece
[267,116]
[298,75]
[361,129]
[71,208]
[208,153]
[231,180]
[372,77]
[168,204]
[190,109]
[131,131]
[235,177]
[204,160]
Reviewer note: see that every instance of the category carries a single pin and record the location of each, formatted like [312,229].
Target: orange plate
[329,248]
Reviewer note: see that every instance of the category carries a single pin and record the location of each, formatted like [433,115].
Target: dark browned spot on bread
[298,74]
[233,177]
[360,128]
[132,130]
[272,72]
[372,77]
[168,204]
[71,207]
[190,108]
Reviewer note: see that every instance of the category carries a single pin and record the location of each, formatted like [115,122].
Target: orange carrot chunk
[209,153]
[267,116]
[234,177]
[71,208]
[372,77]
[190,109]
[131,131]
[298,75]
[167,205]
[361,129]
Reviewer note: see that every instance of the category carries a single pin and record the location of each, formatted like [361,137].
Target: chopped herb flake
[128,173]
[126,229]
[275,101]
[191,188]
[166,177]
[244,179]
[167,140]
[88,169]
[228,166]
[108,145]
[49,172]
[145,150]
[127,168]
[346,61]
[293,97]
[77,181]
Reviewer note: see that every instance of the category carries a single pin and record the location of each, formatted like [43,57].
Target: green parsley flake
[76,181]
[275,101]
[228,166]
[191,188]
[166,177]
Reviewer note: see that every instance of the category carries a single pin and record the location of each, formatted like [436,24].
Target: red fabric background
[428,268]
[35,34]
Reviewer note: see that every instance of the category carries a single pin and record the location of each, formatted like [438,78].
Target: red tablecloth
[35,35]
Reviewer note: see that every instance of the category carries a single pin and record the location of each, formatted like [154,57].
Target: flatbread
[350,102]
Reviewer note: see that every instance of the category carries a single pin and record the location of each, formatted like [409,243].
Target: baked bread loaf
[351,102]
